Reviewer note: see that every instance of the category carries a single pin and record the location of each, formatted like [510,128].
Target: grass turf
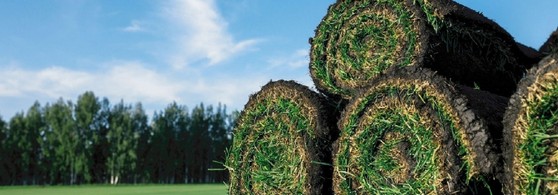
[206,189]
[531,127]
[411,132]
[358,40]
[281,142]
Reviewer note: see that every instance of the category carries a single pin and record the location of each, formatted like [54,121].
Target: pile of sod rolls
[414,97]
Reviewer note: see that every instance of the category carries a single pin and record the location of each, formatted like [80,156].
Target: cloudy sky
[189,51]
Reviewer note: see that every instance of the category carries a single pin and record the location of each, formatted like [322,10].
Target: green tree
[122,142]
[47,144]
[181,128]
[22,150]
[201,143]
[87,114]
[34,125]
[4,176]
[60,141]
[220,142]
[166,147]
[99,170]
[19,152]
[17,160]
[141,127]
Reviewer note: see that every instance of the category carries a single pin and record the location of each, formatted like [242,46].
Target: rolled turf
[282,143]
[531,132]
[413,132]
[357,40]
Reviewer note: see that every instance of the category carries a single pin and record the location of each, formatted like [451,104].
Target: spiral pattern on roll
[281,143]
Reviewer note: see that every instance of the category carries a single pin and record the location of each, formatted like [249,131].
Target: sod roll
[413,132]
[357,40]
[282,143]
[531,132]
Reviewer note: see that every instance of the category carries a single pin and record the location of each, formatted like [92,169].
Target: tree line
[92,141]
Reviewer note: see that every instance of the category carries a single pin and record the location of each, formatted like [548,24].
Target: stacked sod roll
[531,132]
[414,132]
[358,40]
[282,143]
[412,95]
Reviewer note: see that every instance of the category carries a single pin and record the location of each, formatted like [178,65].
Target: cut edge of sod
[282,142]
[530,132]
[412,132]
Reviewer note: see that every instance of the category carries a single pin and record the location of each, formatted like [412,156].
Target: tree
[61,139]
[201,143]
[18,156]
[122,142]
[181,128]
[142,129]
[99,170]
[4,176]
[22,149]
[220,142]
[87,114]
[34,125]
[166,147]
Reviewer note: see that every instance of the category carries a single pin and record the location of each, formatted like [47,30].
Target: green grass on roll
[531,132]
[358,40]
[414,132]
[282,143]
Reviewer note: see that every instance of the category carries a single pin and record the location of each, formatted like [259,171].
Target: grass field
[205,189]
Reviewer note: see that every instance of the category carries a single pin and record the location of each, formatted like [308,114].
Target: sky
[188,51]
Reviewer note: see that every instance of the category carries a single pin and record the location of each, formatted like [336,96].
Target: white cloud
[133,82]
[295,60]
[232,91]
[203,34]
[130,81]
[53,81]
[135,26]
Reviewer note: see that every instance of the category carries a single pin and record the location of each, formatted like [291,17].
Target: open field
[206,189]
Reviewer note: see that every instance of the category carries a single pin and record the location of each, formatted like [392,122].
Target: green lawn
[203,189]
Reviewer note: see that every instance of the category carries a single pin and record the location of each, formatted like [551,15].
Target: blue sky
[189,51]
